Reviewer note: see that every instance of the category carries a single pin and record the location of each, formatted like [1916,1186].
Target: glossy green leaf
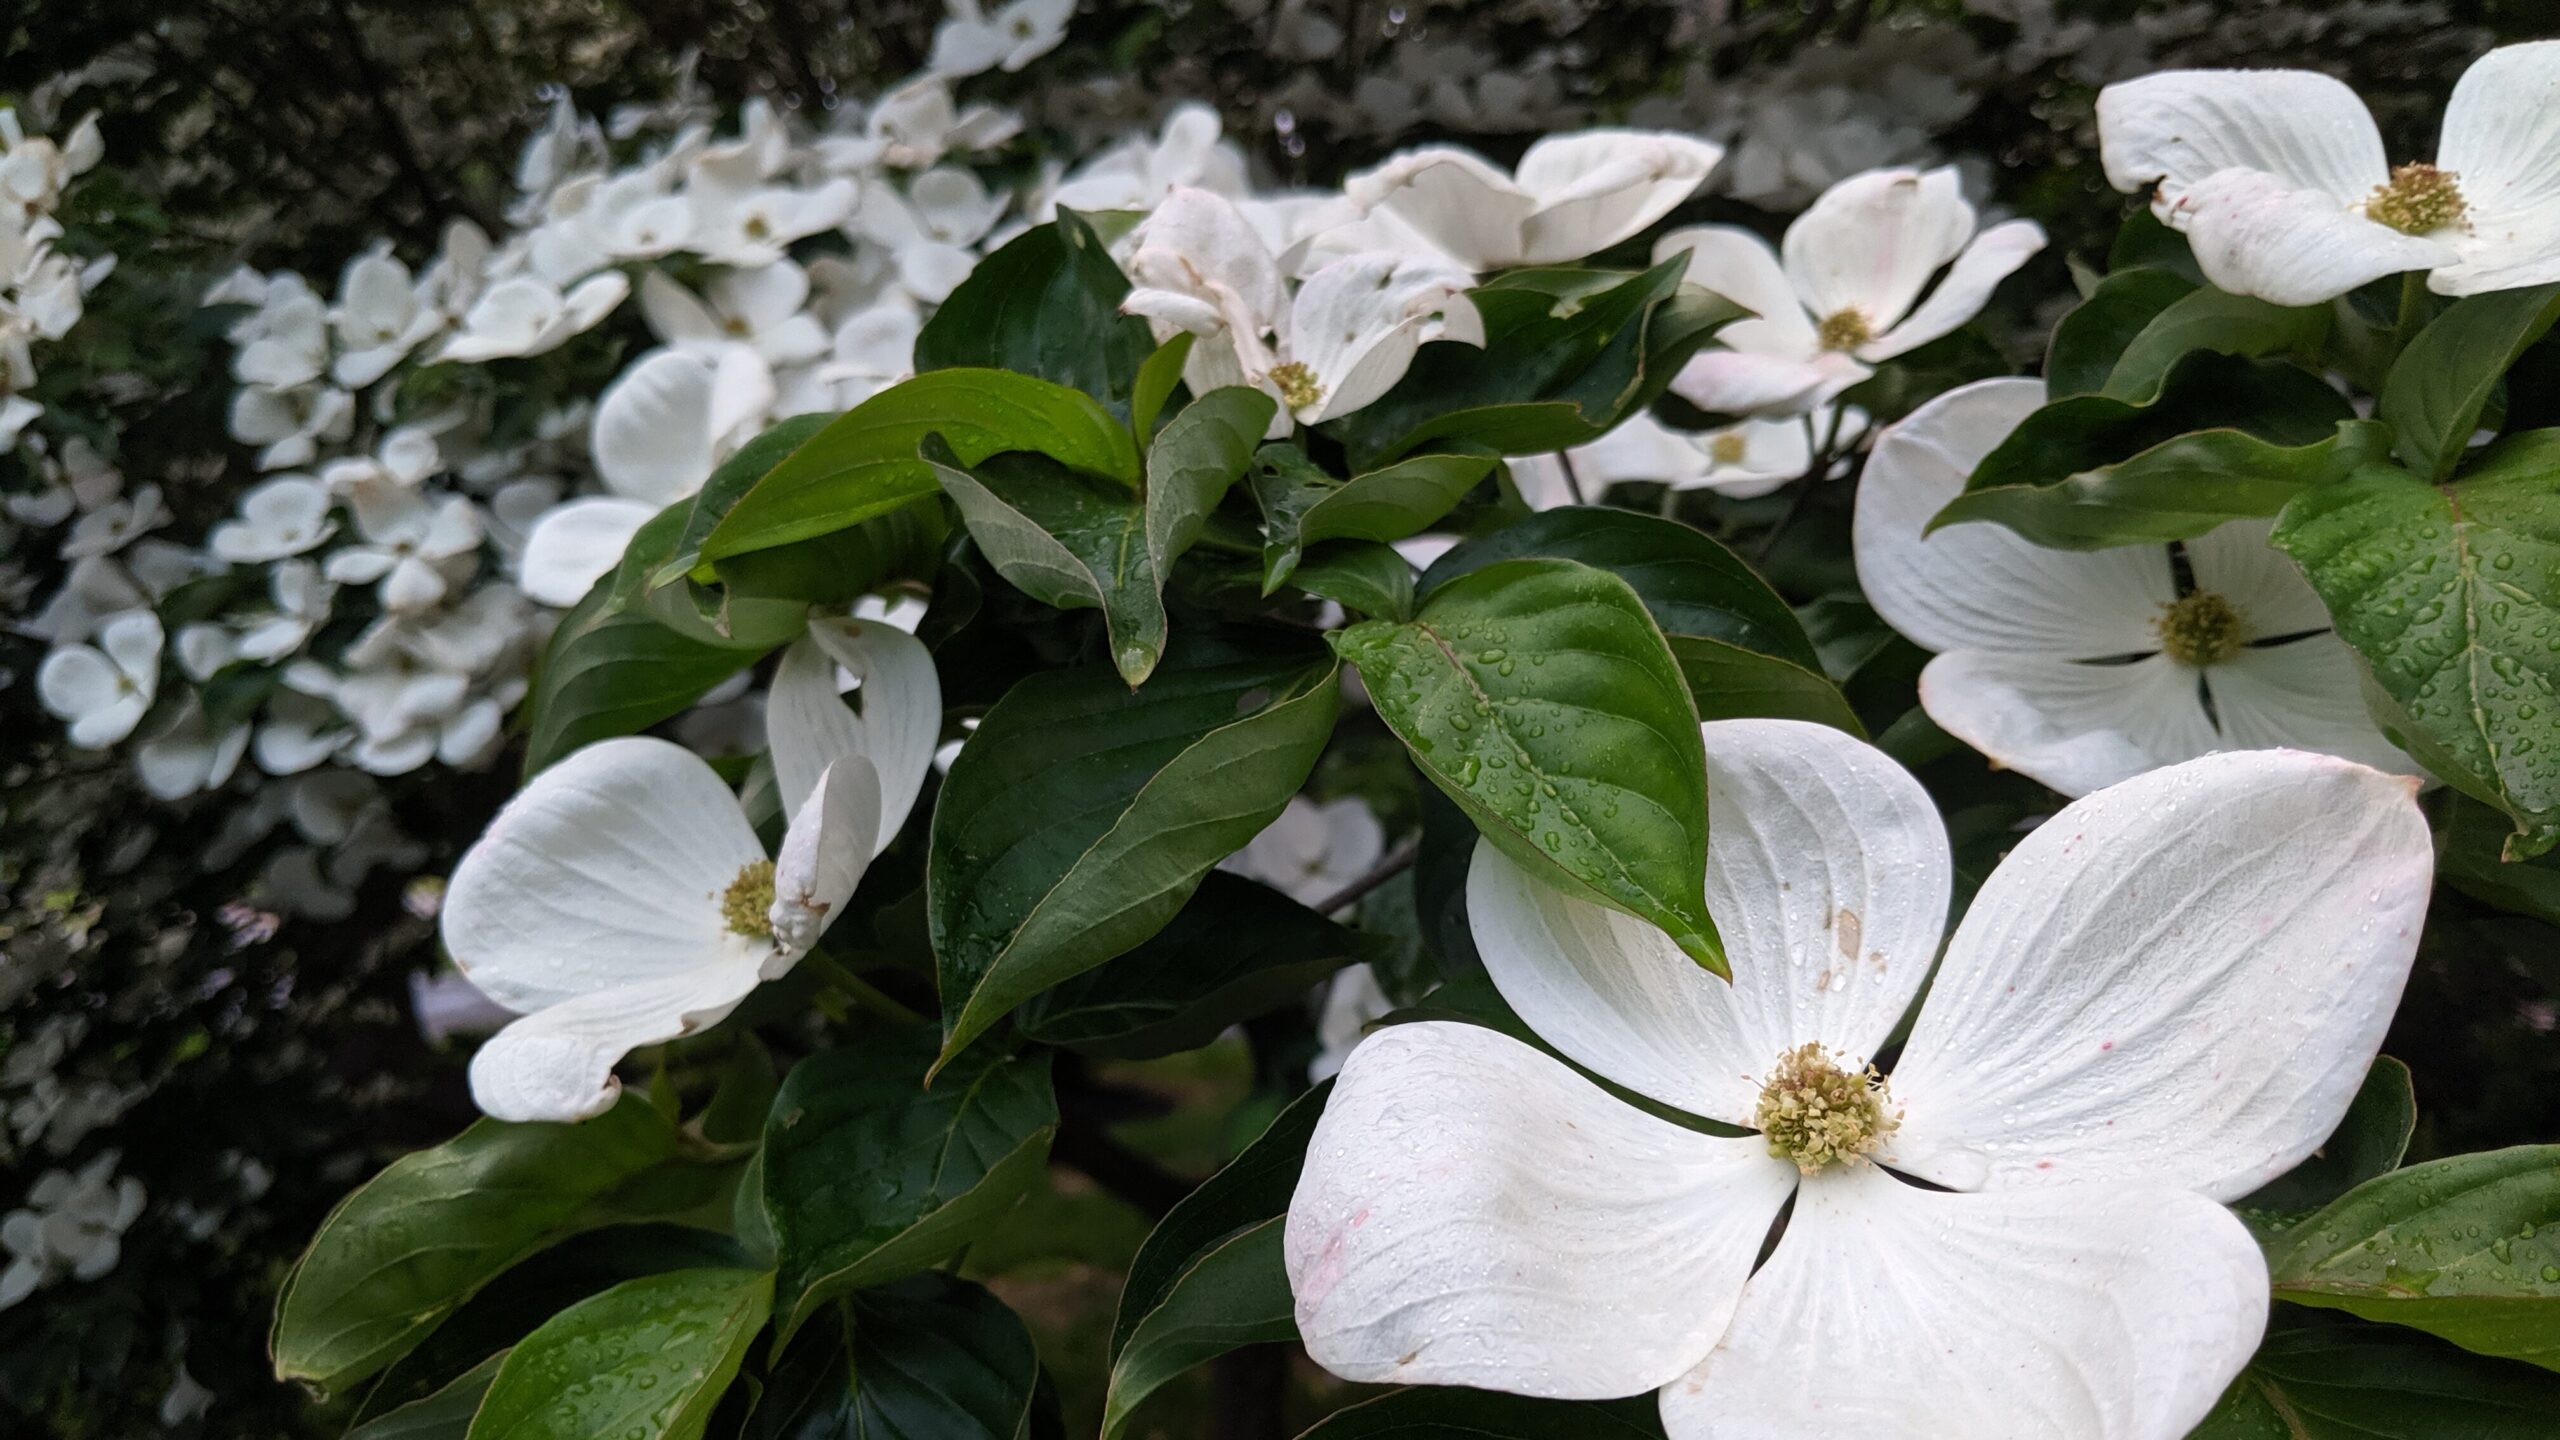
[645,1360]
[1074,542]
[1302,504]
[1236,1294]
[2088,341]
[1362,576]
[1742,649]
[2225,437]
[1253,1188]
[2467,1248]
[930,1357]
[1046,304]
[2451,596]
[729,480]
[865,462]
[444,1415]
[416,1241]
[1430,1413]
[1157,379]
[1237,950]
[2359,1382]
[1083,815]
[611,668]
[2440,385]
[871,1175]
[1568,353]
[2370,1141]
[1541,696]
[2215,321]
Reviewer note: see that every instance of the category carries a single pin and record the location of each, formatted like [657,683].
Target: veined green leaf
[931,1357]
[1045,304]
[871,1175]
[645,1360]
[1541,696]
[416,1241]
[866,461]
[2439,386]
[2467,1248]
[2450,594]
[2088,341]
[2354,1382]
[1083,815]
[1235,1294]
[1303,505]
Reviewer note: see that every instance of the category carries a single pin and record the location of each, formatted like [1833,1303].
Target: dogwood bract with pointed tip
[2281,184]
[622,898]
[2083,668]
[2163,998]
[1571,197]
[1344,340]
[1847,292]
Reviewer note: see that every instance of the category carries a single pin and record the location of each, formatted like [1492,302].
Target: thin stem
[1395,862]
[1572,481]
[862,992]
[2413,308]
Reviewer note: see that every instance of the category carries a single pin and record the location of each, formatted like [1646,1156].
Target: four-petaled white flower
[931,232]
[654,442]
[622,898]
[1345,339]
[411,541]
[2280,181]
[1847,291]
[528,315]
[2082,668]
[71,1226]
[1571,197]
[2162,999]
[971,41]
[379,318]
[104,690]
[281,517]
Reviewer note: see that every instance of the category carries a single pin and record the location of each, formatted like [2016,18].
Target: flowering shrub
[1013,664]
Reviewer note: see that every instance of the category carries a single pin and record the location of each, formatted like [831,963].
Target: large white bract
[1572,196]
[2281,183]
[2163,998]
[2083,668]
[623,899]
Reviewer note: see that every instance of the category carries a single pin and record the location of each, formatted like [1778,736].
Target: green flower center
[2418,200]
[748,904]
[2201,628]
[1298,387]
[1845,330]
[1817,1114]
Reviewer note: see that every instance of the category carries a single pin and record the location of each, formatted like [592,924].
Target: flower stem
[862,992]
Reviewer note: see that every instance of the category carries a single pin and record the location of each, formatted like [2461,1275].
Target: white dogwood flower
[528,315]
[1847,292]
[655,440]
[1572,195]
[104,690]
[413,543]
[280,517]
[622,898]
[379,318]
[971,41]
[2082,668]
[1750,457]
[72,1226]
[1345,339]
[2163,998]
[2280,181]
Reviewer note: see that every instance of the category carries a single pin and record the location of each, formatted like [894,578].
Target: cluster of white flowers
[72,1226]
[41,288]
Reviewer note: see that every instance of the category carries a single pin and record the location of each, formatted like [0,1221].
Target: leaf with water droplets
[930,1357]
[2467,1248]
[645,1360]
[2450,594]
[2371,1382]
[1542,697]
[871,1175]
